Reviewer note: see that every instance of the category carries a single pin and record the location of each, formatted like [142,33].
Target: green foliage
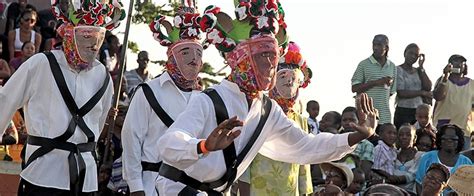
[146,11]
[133,46]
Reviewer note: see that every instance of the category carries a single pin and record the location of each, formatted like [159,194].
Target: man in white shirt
[66,95]
[156,104]
[190,158]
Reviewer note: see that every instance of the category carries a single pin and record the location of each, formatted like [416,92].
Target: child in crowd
[330,123]
[423,119]
[312,107]
[385,152]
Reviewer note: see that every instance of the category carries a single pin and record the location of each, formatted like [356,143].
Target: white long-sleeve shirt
[142,129]
[280,139]
[46,115]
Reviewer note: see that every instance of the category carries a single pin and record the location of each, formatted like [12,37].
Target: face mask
[264,61]
[287,83]
[188,58]
[88,40]
[81,45]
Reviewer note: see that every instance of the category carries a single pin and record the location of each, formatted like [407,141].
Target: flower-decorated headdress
[184,34]
[293,60]
[101,13]
[258,28]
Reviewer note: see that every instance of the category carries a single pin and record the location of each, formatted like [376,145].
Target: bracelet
[202,146]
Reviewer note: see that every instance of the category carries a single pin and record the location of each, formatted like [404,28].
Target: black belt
[147,166]
[77,166]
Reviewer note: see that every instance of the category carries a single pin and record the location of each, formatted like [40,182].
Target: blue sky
[335,35]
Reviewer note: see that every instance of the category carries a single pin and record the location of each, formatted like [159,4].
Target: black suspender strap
[76,165]
[177,175]
[150,97]
[222,115]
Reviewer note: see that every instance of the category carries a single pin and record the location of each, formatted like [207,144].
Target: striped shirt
[368,70]
[134,79]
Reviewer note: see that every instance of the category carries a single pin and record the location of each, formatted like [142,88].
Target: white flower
[215,37]
[241,12]
[192,32]
[177,21]
[262,21]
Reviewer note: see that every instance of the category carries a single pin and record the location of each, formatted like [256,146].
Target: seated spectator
[407,160]
[5,72]
[424,118]
[13,14]
[17,37]
[365,149]
[461,180]
[449,143]
[27,50]
[337,174]
[358,183]
[328,189]
[385,152]
[331,122]
[385,189]
[425,141]
[436,180]
[312,107]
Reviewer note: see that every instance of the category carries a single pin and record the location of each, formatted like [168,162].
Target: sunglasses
[31,20]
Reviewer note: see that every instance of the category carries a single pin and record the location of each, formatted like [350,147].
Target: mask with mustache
[184,64]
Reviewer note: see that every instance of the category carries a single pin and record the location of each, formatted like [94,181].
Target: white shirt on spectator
[142,129]
[280,139]
[46,115]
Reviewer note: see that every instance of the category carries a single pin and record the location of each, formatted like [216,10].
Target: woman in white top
[24,33]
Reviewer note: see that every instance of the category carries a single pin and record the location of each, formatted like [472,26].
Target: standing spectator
[27,50]
[365,150]
[424,119]
[385,152]
[449,143]
[13,14]
[454,95]
[312,107]
[110,54]
[412,86]
[436,180]
[138,75]
[17,37]
[375,76]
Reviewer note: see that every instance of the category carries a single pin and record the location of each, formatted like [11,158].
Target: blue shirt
[432,157]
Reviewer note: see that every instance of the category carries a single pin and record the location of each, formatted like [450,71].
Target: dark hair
[358,170]
[410,46]
[24,44]
[383,126]
[311,102]
[422,133]
[349,109]
[459,133]
[28,11]
[337,118]
[441,168]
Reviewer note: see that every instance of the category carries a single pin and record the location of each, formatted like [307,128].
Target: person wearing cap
[461,180]
[209,156]
[454,95]
[292,179]
[338,174]
[435,180]
[376,77]
[158,102]
[66,95]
